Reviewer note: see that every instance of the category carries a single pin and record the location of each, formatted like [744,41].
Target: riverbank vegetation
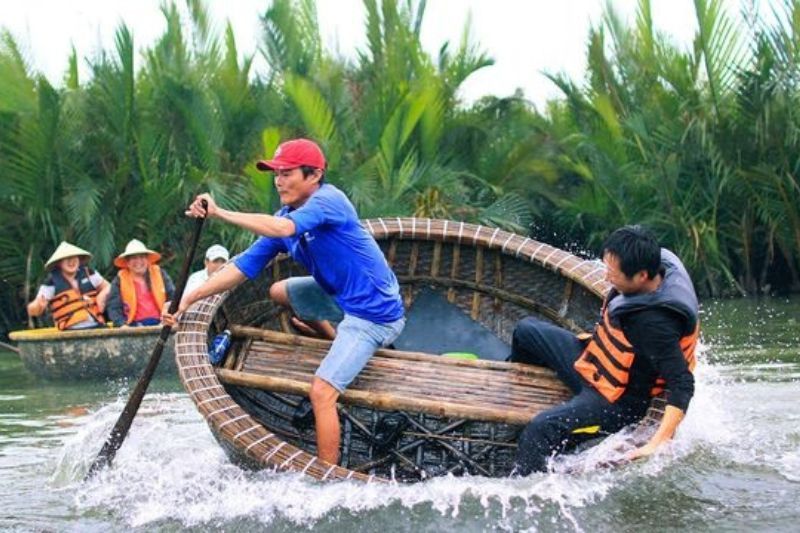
[701,144]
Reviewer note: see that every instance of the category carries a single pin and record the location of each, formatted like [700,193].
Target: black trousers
[586,416]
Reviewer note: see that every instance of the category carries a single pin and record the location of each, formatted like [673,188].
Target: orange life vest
[127,290]
[607,360]
[70,306]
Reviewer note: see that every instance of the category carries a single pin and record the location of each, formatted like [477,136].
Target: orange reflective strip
[77,317]
[68,308]
[621,360]
[157,286]
[617,335]
[71,313]
[688,347]
[589,370]
[603,358]
[127,293]
[62,299]
[65,302]
[687,343]
[609,391]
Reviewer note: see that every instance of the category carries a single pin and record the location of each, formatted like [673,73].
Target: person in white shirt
[216,256]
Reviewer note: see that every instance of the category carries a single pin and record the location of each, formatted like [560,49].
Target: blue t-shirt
[338,252]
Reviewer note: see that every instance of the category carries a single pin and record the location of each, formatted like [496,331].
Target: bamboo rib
[382,401]
[451,292]
[391,377]
[377,384]
[456,438]
[437,259]
[386,377]
[476,294]
[498,280]
[312,357]
[289,339]
[390,373]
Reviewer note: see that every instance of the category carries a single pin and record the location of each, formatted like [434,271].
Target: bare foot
[304,328]
[321,329]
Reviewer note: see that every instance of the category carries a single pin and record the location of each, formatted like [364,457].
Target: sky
[525,37]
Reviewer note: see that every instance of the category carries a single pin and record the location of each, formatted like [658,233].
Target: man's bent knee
[526,328]
[278,293]
[525,341]
[322,393]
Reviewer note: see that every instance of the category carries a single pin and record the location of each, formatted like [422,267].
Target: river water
[734,465]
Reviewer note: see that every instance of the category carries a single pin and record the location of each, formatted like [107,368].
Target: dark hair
[308,170]
[637,250]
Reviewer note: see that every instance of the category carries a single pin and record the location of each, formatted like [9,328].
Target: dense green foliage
[702,145]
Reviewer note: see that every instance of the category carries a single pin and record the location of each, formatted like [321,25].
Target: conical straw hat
[65,250]
[136,247]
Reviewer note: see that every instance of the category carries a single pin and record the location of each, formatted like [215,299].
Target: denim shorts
[310,302]
[355,343]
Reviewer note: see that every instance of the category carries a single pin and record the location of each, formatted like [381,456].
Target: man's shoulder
[330,193]
[661,320]
[334,205]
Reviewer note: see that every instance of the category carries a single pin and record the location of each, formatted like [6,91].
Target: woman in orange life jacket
[74,293]
[644,343]
[141,288]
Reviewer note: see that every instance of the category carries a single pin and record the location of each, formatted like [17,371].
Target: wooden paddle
[120,431]
[10,347]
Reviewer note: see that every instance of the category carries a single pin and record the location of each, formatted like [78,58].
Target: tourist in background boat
[141,289]
[216,256]
[74,293]
[644,343]
[350,280]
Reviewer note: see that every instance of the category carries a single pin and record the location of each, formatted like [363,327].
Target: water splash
[170,472]
[170,469]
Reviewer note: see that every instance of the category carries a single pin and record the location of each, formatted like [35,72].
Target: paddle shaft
[120,431]
[7,346]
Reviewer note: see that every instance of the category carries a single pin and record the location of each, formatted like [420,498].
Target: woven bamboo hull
[485,448]
[91,354]
[456,416]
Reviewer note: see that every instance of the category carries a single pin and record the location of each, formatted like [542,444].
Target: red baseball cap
[293,154]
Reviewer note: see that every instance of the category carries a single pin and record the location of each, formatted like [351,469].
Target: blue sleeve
[321,208]
[253,260]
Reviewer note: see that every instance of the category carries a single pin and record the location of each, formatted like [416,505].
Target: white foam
[171,469]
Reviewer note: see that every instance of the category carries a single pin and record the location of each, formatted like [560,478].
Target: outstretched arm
[37,306]
[672,419]
[260,224]
[227,278]
[655,335]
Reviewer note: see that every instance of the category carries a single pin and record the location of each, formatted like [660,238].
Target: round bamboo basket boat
[101,353]
[409,415]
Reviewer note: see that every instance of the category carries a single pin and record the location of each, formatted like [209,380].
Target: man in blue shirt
[350,283]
